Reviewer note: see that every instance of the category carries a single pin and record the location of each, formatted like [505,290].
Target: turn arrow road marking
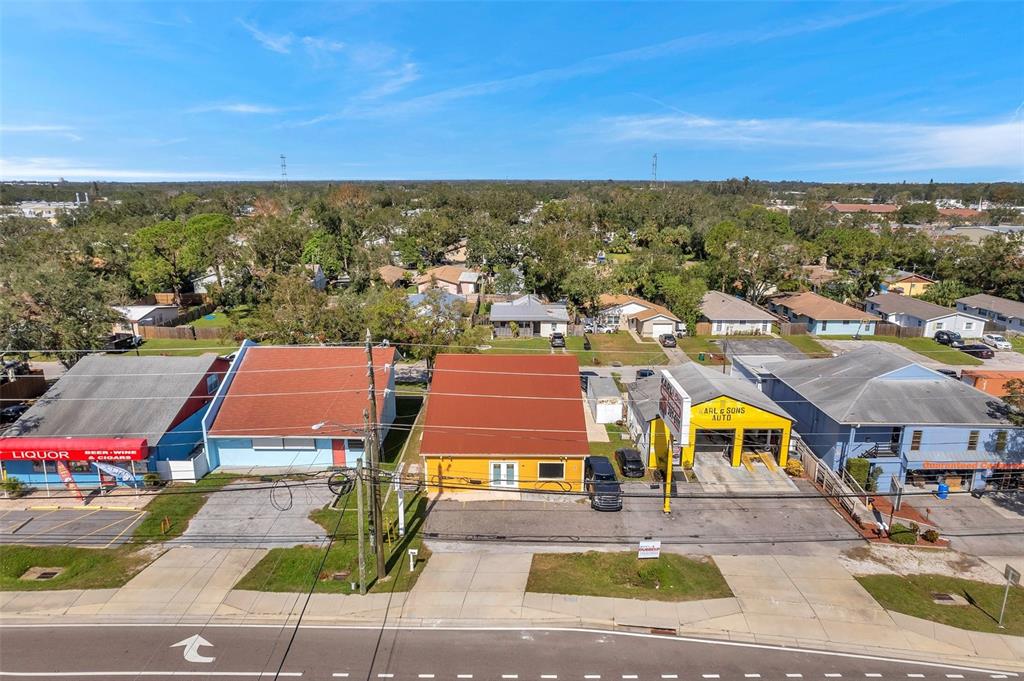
[191,645]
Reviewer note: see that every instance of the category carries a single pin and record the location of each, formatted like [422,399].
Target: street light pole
[373,445]
[359,522]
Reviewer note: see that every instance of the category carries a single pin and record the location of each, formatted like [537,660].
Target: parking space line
[100,529]
[127,527]
[66,522]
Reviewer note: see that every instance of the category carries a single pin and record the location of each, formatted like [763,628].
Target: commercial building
[911,422]
[110,419]
[691,411]
[1005,314]
[531,316]
[729,315]
[823,316]
[911,313]
[296,407]
[504,422]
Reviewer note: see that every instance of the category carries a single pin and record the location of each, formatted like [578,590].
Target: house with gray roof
[729,315]
[531,316]
[113,411]
[1003,312]
[911,422]
[913,313]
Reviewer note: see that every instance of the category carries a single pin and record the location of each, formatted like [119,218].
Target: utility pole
[284,172]
[374,447]
[654,171]
[359,517]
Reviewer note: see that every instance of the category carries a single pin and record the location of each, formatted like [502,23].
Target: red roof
[282,391]
[863,207]
[960,212]
[505,405]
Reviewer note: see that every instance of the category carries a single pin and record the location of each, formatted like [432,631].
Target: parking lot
[711,525]
[68,527]
[991,526]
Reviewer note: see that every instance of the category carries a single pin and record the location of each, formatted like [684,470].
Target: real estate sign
[674,408]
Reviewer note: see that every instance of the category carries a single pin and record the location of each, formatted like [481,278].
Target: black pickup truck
[602,486]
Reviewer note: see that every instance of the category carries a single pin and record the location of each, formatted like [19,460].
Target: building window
[972,441]
[968,326]
[824,326]
[551,470]
[915,441]
[267,443]
[938,325]
[212,381]
[299,443]
[51,467]
[1001,441]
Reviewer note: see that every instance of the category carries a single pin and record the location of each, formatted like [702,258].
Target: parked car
[977,350]
[644,373]
[558,340]
[585,377]
[630,462]
[950,338]
[667,340]
[996,341]
[12,413]
[122,342]
[601,485]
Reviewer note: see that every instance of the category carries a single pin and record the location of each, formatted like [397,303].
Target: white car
[996,341]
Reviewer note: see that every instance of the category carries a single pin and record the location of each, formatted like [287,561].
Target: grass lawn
[83,568]
[181,348]
[177,503]
[913,596]
[623,575]
[605,349]
[1017,341]
[924,346]
[222,318]
[693,346]
[615,441]
[619,258]
[806,344]
[293,569]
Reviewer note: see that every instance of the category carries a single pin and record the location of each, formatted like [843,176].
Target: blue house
[110,419]
[911,422]
[823,316]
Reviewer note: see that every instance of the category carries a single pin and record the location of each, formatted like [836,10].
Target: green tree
[917,213]
[388,315]
[208,244]
[162,258]
[683,296]
[1015,398]
[296,313]
[947,292]
[438,326]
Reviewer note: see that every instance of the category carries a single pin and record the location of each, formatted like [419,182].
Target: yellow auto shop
[702,412]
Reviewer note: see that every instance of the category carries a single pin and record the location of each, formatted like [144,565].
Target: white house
[728,315]
[531,315]
[646,318]
[1006,313]
[143,315]
[907,312]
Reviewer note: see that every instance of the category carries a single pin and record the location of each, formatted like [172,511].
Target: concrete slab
[781,625]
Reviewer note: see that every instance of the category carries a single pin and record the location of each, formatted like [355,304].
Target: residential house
[729,315]
[297,407]
[851,208]
[531,315]
[1002,312]
[135,316]
[111,420]
[452,278]
[907,283]
[991,381]
[823,316]
[449,302]
[615,310]
[393,276]
[506,423]
[911,313]
[910,422]
[819,274]
[715,415]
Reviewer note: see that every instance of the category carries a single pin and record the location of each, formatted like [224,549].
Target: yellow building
[691,411]
[907,283]
[504,423]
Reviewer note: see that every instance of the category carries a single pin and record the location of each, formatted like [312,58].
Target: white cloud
[322,44]
[275,43]
[394,80]
[236,107]
[48,168]
[848,144]
[64,131]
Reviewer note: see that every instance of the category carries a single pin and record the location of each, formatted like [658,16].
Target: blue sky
[830,92]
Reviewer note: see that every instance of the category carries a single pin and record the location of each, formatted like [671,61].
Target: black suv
[602,486]
[977,350]
[630,462]
[558,340]
[950,338]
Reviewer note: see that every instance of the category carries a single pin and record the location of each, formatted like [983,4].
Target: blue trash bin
[943,492]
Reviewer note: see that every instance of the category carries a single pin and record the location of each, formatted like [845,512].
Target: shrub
[795,468]
[902,534]
[872,483]
[858,470]
[151,479]
[930,536]
[13,487]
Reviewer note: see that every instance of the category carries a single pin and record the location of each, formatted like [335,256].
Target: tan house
[451,278]
[907,283]
[393,276]
[646,318]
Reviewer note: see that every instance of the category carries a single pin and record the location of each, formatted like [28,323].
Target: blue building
[297,407]
[110,415]
[823,316]
[909,421]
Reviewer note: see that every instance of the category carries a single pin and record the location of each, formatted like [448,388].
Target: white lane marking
[833,675]
[872,675]
[385,676]
[629,676]
[463,676]
[794,676]
[424,676]
[560,630]
[710,676]
[997,676]
[670,676]
[52,675]
[915,676]
[549,676]
[510,676]
[954,676]
[591,676]
[340,675]
[751,676]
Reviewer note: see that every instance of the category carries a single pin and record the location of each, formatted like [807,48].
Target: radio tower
[654,171]
[284,171]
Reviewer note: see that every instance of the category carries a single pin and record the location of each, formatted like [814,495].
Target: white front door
[504,474]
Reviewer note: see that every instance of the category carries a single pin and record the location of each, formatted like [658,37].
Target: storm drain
[41,574]
[948,599]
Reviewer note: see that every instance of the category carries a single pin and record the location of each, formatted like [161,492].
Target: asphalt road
[95,528]
[423,654]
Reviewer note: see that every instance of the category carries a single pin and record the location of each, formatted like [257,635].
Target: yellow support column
[737,447]
[784,448]
[667,505]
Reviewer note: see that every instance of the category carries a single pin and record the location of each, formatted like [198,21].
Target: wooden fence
[792,329]
[24,387]
[187,299]
[890,329]
[180,333]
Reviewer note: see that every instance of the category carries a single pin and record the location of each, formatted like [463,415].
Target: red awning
[73,449]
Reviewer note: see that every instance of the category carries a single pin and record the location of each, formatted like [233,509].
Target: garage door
[657,329]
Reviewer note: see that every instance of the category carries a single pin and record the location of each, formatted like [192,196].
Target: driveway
[713,525]
[1005,359]
[990,526]
[762,346]
[258,517]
